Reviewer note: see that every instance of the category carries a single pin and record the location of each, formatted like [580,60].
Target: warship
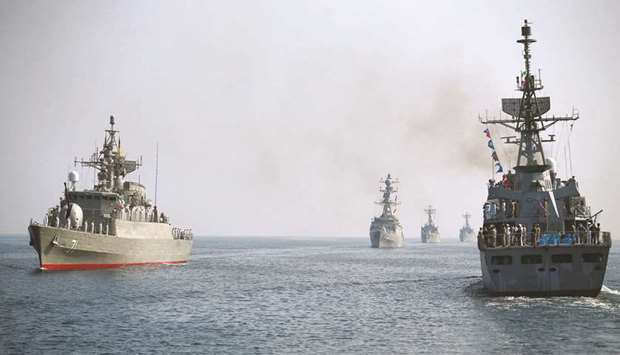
[430,231]
[385,230]
[112,225]
[466,234]
[539,237]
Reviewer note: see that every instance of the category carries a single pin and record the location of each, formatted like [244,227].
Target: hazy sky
[280,117]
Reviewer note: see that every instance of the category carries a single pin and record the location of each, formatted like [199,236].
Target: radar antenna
[526,114]
[110,162]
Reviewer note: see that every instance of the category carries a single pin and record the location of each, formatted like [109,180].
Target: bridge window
[531,259]
[561,258]
[592,258]
[501,260]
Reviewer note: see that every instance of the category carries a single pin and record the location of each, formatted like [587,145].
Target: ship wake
[609,291]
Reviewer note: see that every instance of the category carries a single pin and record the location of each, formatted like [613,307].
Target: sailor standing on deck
[486,234]
[582,234]
[516,234]
[513,208]
[536,234]
[591,232]
[572,230]
[509,234]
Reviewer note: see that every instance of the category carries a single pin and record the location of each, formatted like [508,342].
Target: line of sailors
[505,234]
[182,233]
[141,214]
[501,209]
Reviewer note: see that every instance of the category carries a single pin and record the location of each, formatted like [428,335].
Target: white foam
[608,290]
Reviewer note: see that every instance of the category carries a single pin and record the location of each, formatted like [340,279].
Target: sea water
[293,295]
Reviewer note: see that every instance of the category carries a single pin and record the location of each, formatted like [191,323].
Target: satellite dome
[74,176]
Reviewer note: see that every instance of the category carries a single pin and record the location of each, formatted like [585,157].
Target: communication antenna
[95,157]
[156,169]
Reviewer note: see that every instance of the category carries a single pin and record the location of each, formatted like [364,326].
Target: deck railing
[491,240]
[104,228]
[85,226]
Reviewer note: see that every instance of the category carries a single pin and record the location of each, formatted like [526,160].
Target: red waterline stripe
[102,266]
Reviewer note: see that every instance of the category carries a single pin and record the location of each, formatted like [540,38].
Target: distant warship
[430,231]
[539,237]
[112,225]
[385,230]
[466,234]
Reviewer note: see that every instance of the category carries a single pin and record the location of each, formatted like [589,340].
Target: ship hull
[544,271]
[432,237]
[63,249]
[383,239]
[466,236]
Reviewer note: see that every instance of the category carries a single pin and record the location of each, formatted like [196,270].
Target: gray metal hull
[430,237]
[380,239]
[577,277]
[466,236]
[63,249]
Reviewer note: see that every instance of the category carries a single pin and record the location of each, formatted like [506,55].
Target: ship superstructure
[386,230]
[539,237]
[114,224]
[466,234]
[430,232]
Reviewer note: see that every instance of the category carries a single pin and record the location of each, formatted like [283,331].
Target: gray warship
[385,230]
[466,234]
[430,231]
[539,237]
[112,225]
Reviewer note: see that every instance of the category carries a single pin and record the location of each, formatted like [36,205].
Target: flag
[499,168]
[494,156]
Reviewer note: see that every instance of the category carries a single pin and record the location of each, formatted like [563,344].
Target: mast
[110,162]
[466,216]
[156,169]
[389,189]
[430,211]
[526,114]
